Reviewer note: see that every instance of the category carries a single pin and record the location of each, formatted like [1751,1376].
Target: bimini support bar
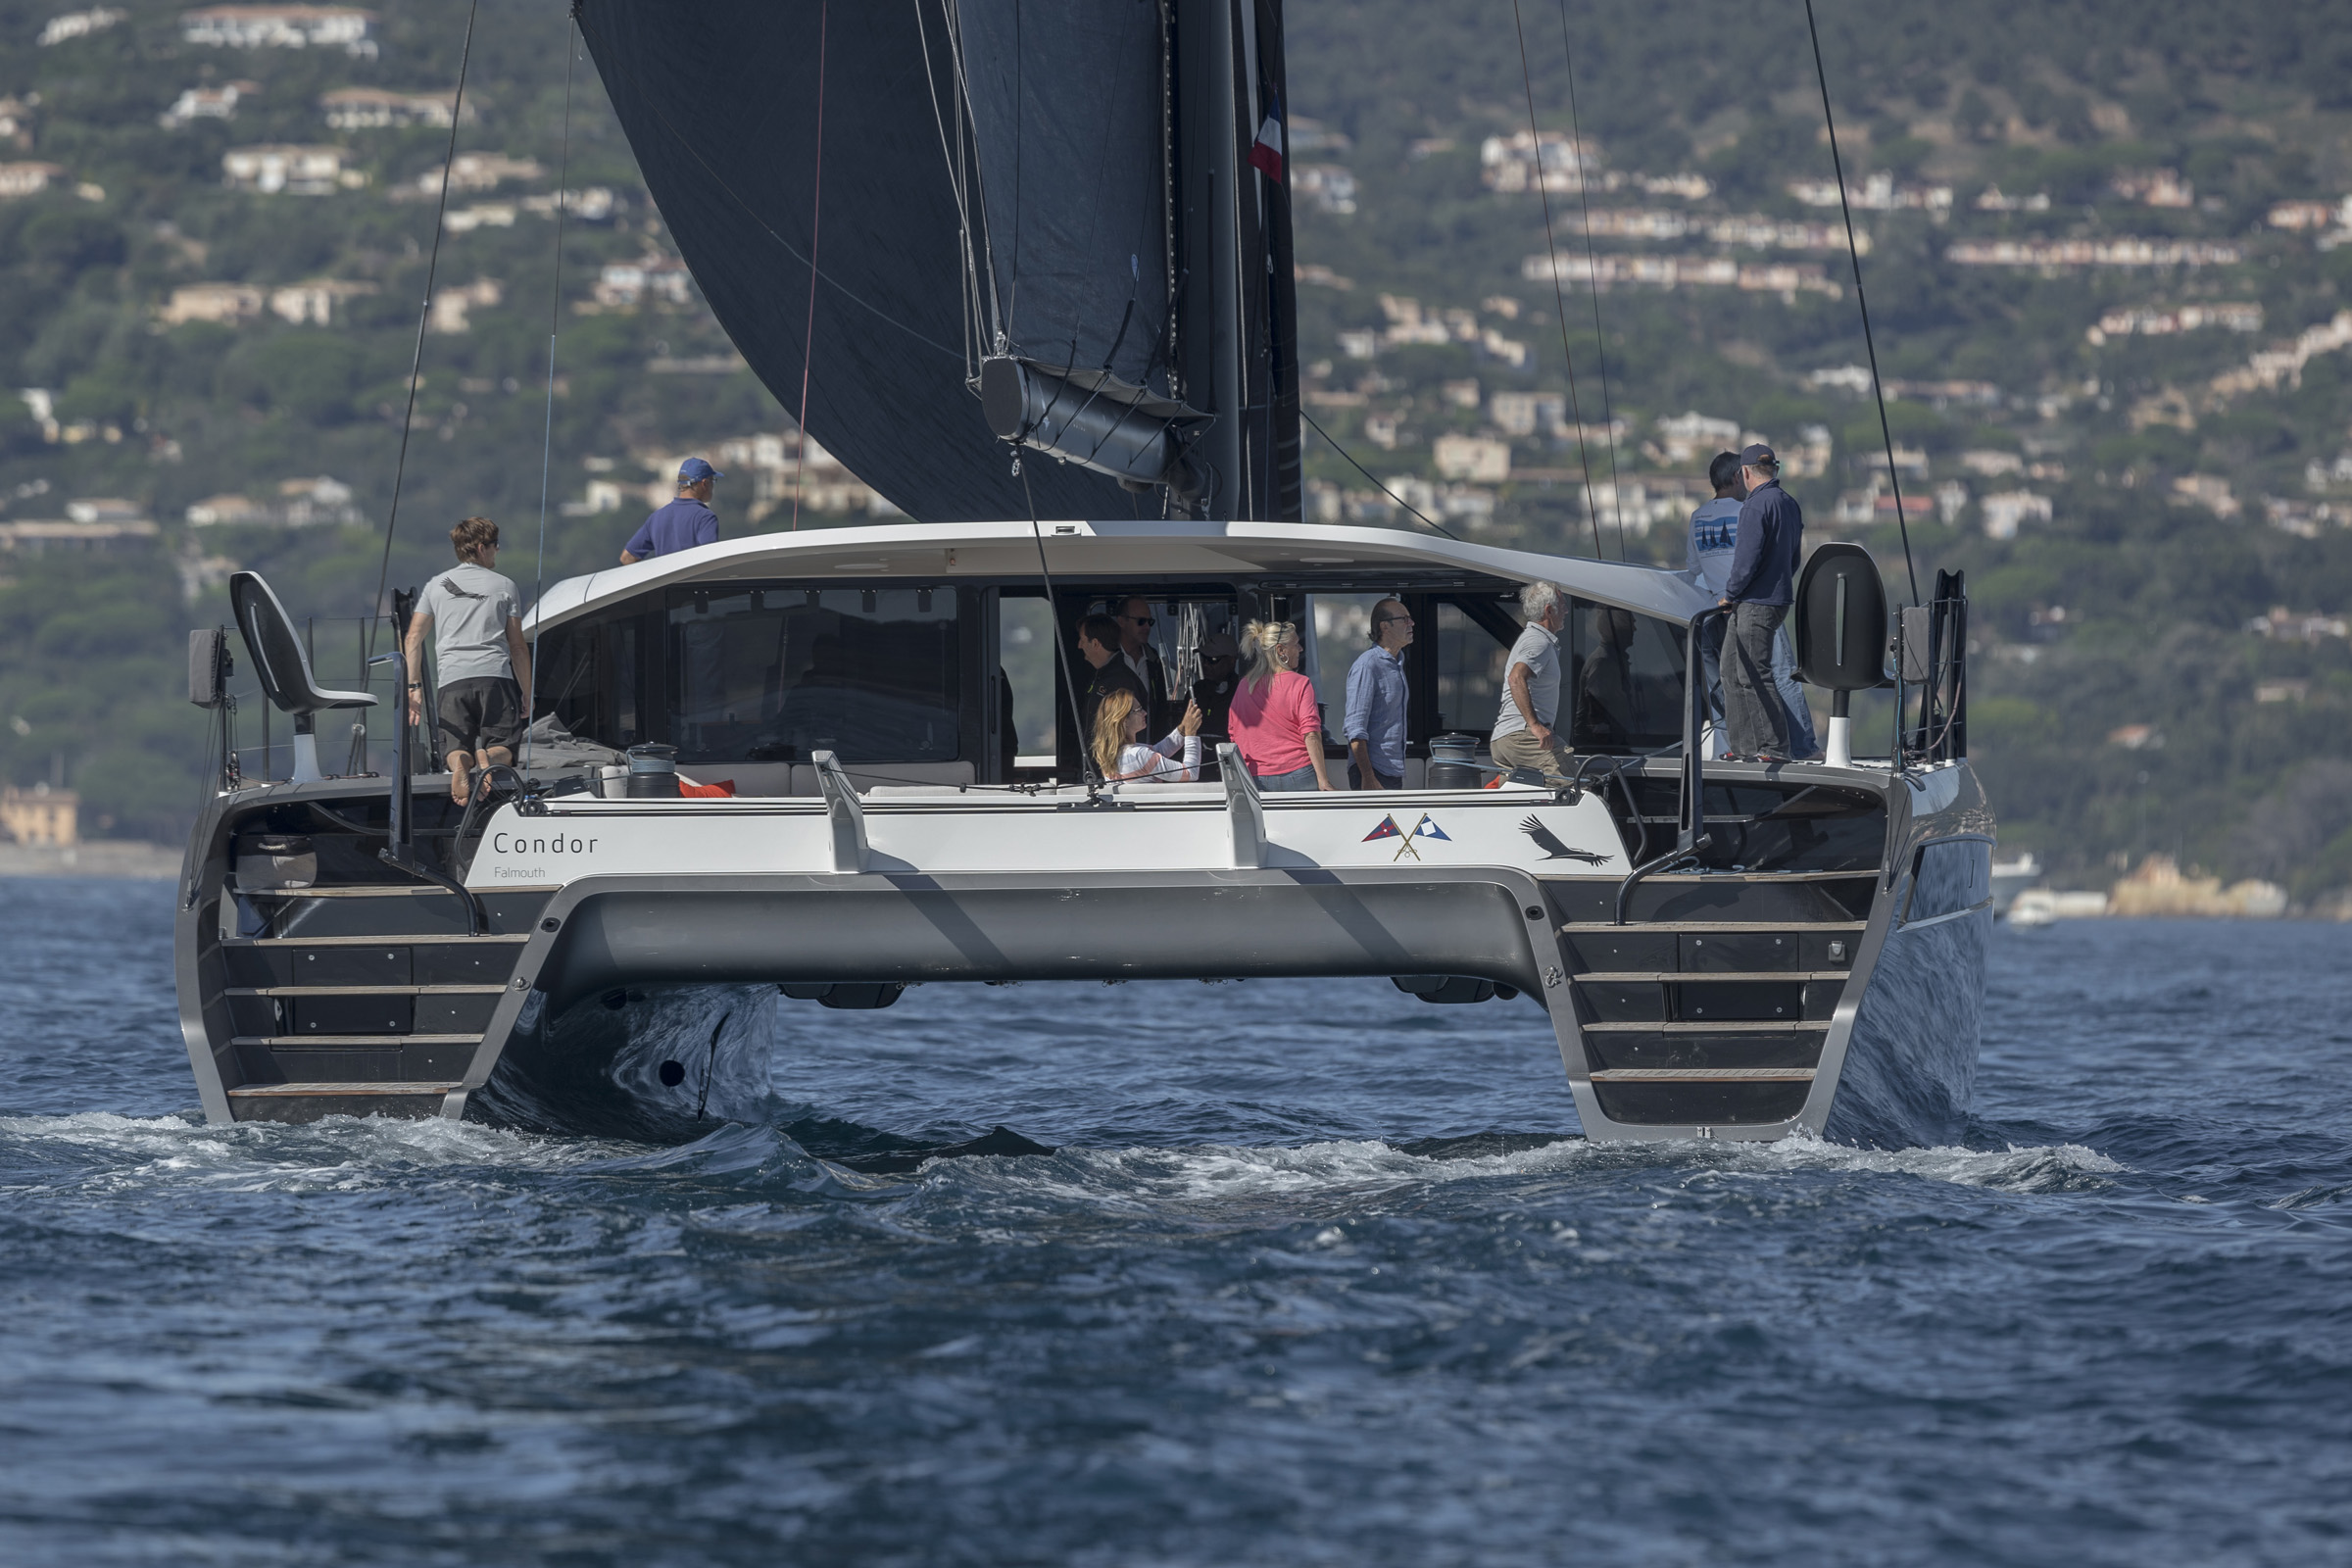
[850,851]
[1245,810]
[1693,835]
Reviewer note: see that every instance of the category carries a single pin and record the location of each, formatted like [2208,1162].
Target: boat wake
[778,1154]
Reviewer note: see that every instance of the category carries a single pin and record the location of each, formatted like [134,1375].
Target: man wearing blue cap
[1758,591]
[683,523]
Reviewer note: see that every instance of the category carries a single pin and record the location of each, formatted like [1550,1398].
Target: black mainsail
[1034,221]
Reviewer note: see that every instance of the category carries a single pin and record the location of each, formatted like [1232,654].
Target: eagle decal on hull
[1553,850]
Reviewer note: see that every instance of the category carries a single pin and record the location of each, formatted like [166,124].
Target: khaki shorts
[1518,749]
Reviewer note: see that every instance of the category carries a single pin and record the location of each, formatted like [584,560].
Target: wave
[103,1149]
[751,1158]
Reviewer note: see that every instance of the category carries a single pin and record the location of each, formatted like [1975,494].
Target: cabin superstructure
[1727,950]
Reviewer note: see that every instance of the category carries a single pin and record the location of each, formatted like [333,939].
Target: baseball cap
[693,470]
[1758,456]
[1218,643]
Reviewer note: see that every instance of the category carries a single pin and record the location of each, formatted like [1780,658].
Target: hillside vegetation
[2120,382]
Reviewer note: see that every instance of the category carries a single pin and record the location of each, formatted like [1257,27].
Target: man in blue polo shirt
[682,524]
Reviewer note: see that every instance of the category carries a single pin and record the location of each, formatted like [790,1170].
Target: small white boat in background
[2011,878]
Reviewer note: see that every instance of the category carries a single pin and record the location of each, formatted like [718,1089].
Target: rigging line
[1368,474]
[424,317]
[816,221]
[1012,299]
[1600,347]
[994,332]
[956,186]
[1061,654]
[1869,343]
[1558,293]
[554,319]
[788,247]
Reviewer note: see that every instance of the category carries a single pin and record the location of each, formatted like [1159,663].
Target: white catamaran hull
[1728,1004]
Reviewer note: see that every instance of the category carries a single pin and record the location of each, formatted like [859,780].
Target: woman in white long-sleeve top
[1119,749]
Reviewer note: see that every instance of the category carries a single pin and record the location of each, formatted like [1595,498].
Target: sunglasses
[1141,620]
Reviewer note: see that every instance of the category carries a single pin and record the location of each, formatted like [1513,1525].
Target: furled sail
[997,202]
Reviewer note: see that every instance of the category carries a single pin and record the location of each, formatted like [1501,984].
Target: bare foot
[460,784]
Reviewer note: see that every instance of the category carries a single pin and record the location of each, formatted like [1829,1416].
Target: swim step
[509,939]
[1748,1026]
[386,1044]
[414,1101]
[1704,1075]
[1707,927]
[369,910]
[362,991]
[389,890]
[360,965]
[1706,976]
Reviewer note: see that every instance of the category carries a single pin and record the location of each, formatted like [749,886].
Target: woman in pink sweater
[1274,722]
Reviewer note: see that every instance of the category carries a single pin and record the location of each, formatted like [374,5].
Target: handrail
[400,852]
[1935,660]
[850,851]
[1691,835]
[1244,808]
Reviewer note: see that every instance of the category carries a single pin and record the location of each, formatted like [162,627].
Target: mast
[1237,320]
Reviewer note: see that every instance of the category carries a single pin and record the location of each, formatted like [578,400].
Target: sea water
[1318,1274]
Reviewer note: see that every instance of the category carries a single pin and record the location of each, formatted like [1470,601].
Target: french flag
[1265,154]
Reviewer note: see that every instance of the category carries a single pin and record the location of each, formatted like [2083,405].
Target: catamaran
[1043,304]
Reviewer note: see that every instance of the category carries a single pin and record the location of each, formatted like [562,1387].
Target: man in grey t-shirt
[474,616]
[1523,735]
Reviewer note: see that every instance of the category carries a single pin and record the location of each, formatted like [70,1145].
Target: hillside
[2104,271]
[2101,262]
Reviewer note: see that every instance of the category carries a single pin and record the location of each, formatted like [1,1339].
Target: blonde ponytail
[1111,731]
[1259,639]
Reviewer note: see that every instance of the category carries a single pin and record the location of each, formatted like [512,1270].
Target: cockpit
[956,682]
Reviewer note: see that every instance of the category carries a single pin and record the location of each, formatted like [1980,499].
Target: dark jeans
[1752,699]
[1784,674]
[1387,781]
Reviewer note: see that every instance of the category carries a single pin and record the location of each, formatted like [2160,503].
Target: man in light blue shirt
[1376,695]
[1714,541]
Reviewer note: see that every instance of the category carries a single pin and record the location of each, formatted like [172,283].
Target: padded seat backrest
[278,654]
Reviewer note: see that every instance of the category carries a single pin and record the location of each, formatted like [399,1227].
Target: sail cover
[1056,148]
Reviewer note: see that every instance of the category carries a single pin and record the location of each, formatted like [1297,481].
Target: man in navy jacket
[1759,590]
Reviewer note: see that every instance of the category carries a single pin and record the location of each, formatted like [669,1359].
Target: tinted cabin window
[565,677]
[1470,670]
[1025,651]
[1623,690]
[1949,877]
[774,675]
[623,651]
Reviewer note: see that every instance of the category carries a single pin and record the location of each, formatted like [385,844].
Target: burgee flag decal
[1427,829]
[1265,155]
[1388,829]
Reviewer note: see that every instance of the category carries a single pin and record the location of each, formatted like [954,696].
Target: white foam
[1223,1173]
[338,1152]
[2047,1167]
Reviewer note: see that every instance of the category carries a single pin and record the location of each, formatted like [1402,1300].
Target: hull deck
[1826,982]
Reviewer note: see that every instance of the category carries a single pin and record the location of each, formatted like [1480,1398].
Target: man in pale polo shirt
[1523,735]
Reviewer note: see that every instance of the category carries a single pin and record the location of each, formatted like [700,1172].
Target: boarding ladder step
[1707,927]
[386,1043]
[1704,1075]
[1752,1026]
[1705,976]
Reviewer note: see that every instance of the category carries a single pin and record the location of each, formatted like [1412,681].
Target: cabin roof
[940,552]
